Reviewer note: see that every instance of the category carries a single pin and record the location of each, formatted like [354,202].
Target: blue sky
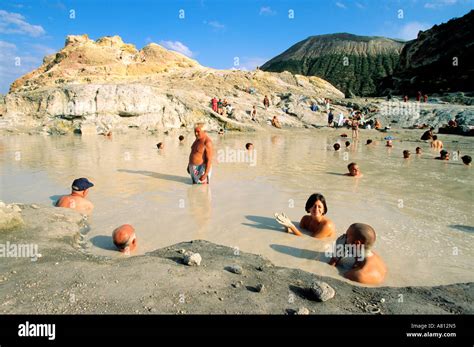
[212,32]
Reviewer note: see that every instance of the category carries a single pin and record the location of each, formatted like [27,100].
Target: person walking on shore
[266,102]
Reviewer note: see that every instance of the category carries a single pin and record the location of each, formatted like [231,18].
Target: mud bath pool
[420,208]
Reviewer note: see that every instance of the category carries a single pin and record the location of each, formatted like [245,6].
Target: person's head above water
[249,146]
[369,141]
[443,155]
[181,138]
[466,159]
[389,143]
[418,150]
[199,131]
[316,205]
[353,169]
[337,146]
[361,234]
[124,238]
[160,145]
[80,186]
[406,154]
[348,143]
[435,137]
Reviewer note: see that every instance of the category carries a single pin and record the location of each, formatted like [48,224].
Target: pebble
[237,269]
[260,288]
[35,206]
[322,291]
[382,300]
[302,311]
[192,259]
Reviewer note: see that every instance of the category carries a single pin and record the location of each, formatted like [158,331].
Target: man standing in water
[200,159]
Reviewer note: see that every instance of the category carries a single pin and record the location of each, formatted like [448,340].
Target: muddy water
[421,208]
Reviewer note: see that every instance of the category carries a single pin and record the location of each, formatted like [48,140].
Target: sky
[222,34]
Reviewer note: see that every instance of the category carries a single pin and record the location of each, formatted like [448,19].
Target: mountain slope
[439,60]
[354,64]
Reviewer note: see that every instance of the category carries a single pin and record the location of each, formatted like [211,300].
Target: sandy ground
[67,279]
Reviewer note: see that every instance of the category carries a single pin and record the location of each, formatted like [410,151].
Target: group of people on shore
[222,107]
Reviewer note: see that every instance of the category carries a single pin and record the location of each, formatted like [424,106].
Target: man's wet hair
[312,200]
[364,233]
[406,153]
[435,137]
[351,165]
[337,146]
[466,159]
[348,143]
[159,144]
[248,145]
[181,137]
[418,149]
[369,141]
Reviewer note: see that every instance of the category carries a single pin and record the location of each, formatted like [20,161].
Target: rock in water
[322,291]
[260,288]
[192,259]
[237,269]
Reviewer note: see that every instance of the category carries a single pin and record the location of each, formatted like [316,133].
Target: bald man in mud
[200,159]
[369,267]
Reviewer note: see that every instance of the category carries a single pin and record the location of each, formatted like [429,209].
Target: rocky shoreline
[66,278]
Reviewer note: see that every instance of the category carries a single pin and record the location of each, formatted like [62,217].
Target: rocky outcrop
[439,60]
[108,84]
[354,64]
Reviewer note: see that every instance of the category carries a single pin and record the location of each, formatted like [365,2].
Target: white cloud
[18,61]
[178,47]
[215,24]
[410,30]
[437,4]
[249,63]
[341,5]
[359,5]
[267,11]
[14,23]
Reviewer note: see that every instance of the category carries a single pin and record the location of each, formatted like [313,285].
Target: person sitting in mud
[276,122]
[354,170]
[406,154]
[389,144]
[160,145]
[443,155]
[249,146]
[77,199]
[436,144]
[466,159]
[427,135]
[453,123]
[220,132]
[369,268]
[348,144]
[369,141]
[181,139]
[200,158]
[125,239]
[317,223]
[337,147]
[418,150]
[377,124]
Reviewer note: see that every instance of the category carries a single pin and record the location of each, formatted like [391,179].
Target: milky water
[421,208]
